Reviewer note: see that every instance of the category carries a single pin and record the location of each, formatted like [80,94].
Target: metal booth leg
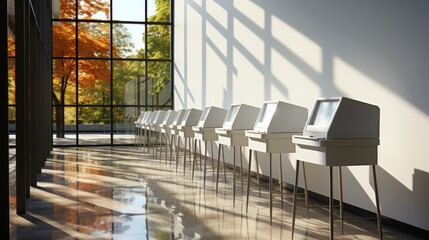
[281,181]
[223,160]
[177,151]
[271,189]
[241,169]
[306,191]
[248,180]
[257,173]
[172,145]
[377,202]
[195,159]
[184,157]
[201,156]
[217,170]
[211,152]
[331,207]
[340,175]
[233,180]
[205,164]
[295,189]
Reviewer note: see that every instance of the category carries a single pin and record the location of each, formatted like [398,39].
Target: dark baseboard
[386,221]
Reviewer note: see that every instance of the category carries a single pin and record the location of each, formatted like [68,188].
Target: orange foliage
[88,8]
[10,45]
[93,42]
[91,71]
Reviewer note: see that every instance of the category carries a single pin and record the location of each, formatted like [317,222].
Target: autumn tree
[11,76]
[93,43]
[93,77]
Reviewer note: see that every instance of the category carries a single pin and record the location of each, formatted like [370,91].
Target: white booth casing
[190,119]
[277,122]
[139,122]
[150,118]
[211,118]
[174,127]
[140,118]
[347,152]
[271,142]
[154,125]
[340,132]
[168,120]
[240,117]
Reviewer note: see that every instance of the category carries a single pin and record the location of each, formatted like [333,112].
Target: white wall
[374,51]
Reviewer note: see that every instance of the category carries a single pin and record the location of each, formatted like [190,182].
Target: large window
[111,59]
[11,83]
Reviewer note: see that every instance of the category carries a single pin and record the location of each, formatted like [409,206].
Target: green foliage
[94,79]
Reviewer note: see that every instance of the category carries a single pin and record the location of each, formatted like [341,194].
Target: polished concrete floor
[128,193]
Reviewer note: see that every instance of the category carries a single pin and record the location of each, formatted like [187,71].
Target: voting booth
[176,122]
[240,117]
[168,119]
[137,125]
[158,119]
[211,118]
[150,119]
[339,132]
[153,128]
[166,131]
[190,119]
[174,131]
[277,122]
[145,124]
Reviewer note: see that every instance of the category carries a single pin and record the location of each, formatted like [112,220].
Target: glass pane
[12,126]
[159,79]
[10,45]
[128,40]
[63,39]
[64,81]
[94,125]
[158,42]
[94,82]
[158,10]
[63,9]
[12,117]
[94,40]
[66,125]
[94,9]
[128,10]
[11,80]
[128,83]
[123,124]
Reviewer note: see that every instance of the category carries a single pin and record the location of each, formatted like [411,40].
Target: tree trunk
[59,119]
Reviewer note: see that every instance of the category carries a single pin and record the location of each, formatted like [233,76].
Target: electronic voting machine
[277,122]
[340,132]
[190,119]
[211,118]
[240,117]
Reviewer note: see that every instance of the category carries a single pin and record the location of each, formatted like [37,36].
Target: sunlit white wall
[374,51]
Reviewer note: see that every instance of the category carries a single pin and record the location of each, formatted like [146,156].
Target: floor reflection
[127,193]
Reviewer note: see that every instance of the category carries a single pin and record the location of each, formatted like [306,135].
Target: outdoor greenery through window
[111,60]
[11,82]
